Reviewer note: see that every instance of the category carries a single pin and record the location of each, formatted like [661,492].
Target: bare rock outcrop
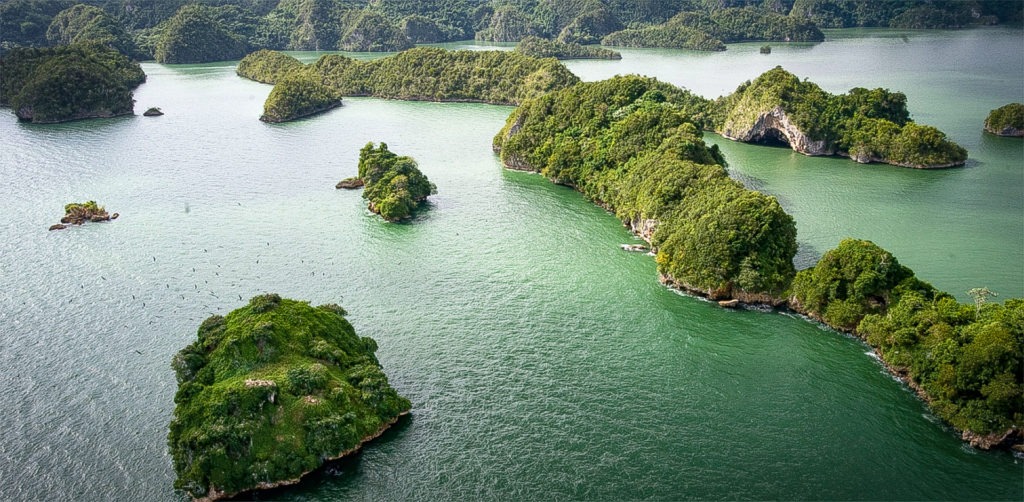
[776,125]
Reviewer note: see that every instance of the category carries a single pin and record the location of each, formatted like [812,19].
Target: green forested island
[269,392]
[867,125]
[633,145]
[393,184]
[180,31]
[1007,120]
[964,360]
[543,48]
[422,74]
[70,82]
[298,95]
[710,32]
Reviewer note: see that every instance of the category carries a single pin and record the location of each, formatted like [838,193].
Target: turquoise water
[543,362]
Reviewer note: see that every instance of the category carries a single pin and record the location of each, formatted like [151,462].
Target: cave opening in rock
[772,137]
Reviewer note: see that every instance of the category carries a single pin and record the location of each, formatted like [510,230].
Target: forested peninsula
[184,31]
[634,146]
[269,392]
[70,82]
[419,74]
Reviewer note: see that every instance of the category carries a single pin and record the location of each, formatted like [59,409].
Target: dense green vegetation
[669,36]
[867,125]
[1007,120]
[68,82]
[369,31]
[267,66]
[542,48]
[390,25]
[965,358]
[394,184]
[634,145]
[710,32]
[423,74]
[85,23]
[297,95]
[194,35]
[269,392]
[907,13]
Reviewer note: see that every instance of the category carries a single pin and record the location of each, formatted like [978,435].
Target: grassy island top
[268,392]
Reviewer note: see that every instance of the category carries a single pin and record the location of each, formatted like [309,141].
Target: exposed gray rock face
[776,125]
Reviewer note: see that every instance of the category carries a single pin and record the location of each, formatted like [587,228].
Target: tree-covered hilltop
[865,125]
[907,13]
[422,74]
[542,48]
[634,145]
[1007,120]
[269,392]
[297,95]
[267,67]
[389,25]
[194,35]
[368,31]
[393,184]
[86,23]
[68,83]
[964,359]
[710,32]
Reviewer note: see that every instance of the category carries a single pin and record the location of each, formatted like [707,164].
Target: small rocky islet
[77,213]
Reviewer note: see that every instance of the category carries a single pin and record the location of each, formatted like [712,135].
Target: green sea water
[543,362]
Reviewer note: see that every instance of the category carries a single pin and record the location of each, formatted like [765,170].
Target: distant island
[184,32]
[644,159]
[419,74]
[271,391]
[70,82]
[542,48]
[1007,120]
[711,31]
[394,185]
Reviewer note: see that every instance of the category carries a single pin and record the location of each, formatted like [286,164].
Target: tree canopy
[269,392]
[393,184]
[68,82]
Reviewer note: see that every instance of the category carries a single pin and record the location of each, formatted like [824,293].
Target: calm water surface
[543,362]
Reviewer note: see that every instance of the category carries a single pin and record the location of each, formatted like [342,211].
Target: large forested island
[179,31]
[633,145]
[420,74]
[269,392]
[70,82]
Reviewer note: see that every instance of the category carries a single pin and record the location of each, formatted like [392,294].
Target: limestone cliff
[775,125]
